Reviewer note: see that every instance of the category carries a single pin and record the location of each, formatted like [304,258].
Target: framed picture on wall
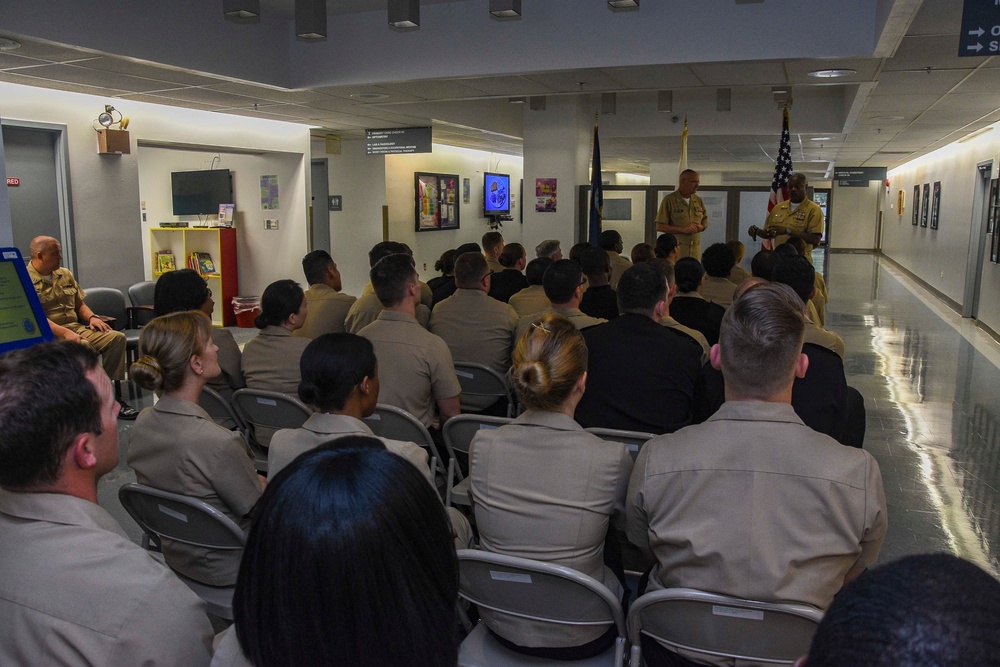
[935,204]
[925,205]
[991,217]
[436,201]
[995,247]
[916,205]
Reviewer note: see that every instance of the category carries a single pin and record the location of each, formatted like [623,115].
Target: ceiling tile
[741,74]
[89,77]
[12,60]
[434,90]
[922,83]
[14,77]
[346,92]
[935,51]
[981,81]
[207,96]
[145,70]
[569,82]
[654,77]
[159,99]
[513,86]
[49,52]
[798,70]
[899,104]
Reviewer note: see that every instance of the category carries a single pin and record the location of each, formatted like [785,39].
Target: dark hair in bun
[331,366]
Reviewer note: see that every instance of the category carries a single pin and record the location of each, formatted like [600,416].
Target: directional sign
[980,34]
[398,140]
[857,177]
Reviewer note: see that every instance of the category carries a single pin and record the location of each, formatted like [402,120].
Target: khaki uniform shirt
[824,338]
[175,446]
[698,336]
[807,217]
[819,299]
[579,319]
[679,213]
[618,266]
[544,488]
[327,311]
[755,504]
[271,360]
[494,264]
[75,591]
[477,328]
[231,377]
[530,300]
[738,275]
[415,367]
[365,310]
[426,294]
[717,290]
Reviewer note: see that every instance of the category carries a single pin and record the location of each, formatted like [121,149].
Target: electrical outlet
[270,224]
[942,274]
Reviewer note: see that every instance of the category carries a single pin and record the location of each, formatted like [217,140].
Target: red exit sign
[13,182]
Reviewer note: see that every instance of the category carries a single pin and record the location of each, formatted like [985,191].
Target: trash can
[246,308]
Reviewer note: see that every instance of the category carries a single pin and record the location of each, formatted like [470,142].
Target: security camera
[674,119]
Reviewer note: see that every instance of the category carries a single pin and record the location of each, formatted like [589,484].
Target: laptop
[22,320]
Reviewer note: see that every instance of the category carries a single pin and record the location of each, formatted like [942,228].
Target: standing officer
[798,217]
[682,213]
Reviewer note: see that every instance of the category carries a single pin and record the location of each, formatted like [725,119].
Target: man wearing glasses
[563,284]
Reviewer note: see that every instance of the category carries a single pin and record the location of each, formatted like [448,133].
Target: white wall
[854,214]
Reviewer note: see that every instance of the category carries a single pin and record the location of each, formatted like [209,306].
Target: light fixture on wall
[505,9]
[404,14]
[665,101]
[781,94]
[609,104]
[107,118]
[517,100]
[832,73]
[623,4]
[241,11]
[310,19]
[111,141]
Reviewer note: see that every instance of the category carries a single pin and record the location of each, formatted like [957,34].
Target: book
[165,261]
[205,263]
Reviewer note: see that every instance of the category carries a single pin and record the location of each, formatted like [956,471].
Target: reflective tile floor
[930,384]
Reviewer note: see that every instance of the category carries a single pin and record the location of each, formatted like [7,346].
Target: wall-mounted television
[201,192]
[496,194]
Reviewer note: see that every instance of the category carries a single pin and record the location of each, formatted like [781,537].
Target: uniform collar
[556,420]
[397,316]
[274,330]
[756,411]
[57,508]
[566,312]
[178,406]
[324,423]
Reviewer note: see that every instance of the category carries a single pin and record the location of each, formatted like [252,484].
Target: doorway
[979,240]
[319,235]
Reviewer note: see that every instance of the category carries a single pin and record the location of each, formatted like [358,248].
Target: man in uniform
[549,248]
[365,310]
[798,217]
[682,213]
[532,298]
[563,284]
[611,241]
[328,308]
[492,247]
[69,317]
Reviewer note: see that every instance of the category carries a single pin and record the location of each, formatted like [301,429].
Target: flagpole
[596,188]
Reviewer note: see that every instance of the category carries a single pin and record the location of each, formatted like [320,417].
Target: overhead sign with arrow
[980,34]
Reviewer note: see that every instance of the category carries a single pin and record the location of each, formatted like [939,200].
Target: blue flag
[596,191]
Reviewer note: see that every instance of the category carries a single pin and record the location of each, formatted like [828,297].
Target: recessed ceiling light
[832,73]
[8,44]
[369,97]
[623,4]
[820,139]
[888,117]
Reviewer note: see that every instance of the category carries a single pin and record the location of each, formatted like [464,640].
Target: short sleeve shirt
[328,309]
[807,217]
[476,328]
[60,297]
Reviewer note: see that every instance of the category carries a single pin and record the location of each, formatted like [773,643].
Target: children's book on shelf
[165,261]
[204,262]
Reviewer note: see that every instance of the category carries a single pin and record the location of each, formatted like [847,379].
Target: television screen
[201,192]
[496,194]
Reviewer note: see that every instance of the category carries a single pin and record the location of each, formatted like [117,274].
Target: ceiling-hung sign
[857,177]
[398,140]
[980,34]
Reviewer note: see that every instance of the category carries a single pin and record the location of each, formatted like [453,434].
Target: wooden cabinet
[220,244]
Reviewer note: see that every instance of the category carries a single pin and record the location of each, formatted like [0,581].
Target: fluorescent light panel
[241,10]
[505,9]
[404,14]
[623,4]
[310,19]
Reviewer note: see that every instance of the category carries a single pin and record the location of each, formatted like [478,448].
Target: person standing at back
[683,214]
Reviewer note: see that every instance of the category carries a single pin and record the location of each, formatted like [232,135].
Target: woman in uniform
[271,360]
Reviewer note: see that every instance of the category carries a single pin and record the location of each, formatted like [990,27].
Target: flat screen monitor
[22,320]
[201,192]
[496,194]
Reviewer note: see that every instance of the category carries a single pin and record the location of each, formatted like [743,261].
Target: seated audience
[762,264]
[417,369]
[349,562]
[74,590]
[549,248]
[476,328]
[492,248]
[328,307]
[820,298]
[667,247]
[600,299]
[796,272]
[271,359]
[544,488]
[667,269]
[563,284]
[641,252]
[443,286]
[689,307]
[738,274]
[367,307]
[611,242]
[185,289]
[511,280]
[532,299]
[175,446]
[640,376]
[574,252]
[800,515]
[718,261]
[928,609]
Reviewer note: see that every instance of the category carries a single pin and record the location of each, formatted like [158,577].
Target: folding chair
[537,591]
[394,423]
[110,302]
[140,295]
[458,433]
[713,626]
[223,414]
[264,412]
[162,514]
[633,440]
[481,387]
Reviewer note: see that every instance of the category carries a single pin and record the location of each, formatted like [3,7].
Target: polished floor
[930,382]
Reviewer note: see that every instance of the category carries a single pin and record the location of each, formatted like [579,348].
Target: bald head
[46,254]
[687,182]
[797,183]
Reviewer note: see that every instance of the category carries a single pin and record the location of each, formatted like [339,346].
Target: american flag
[782,167]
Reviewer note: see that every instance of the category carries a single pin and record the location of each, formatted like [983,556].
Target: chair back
[219,409]
[481,387]
[140,295]
[109,302]
[714,626]
[180,518]
[269,410]
[394,423]
[633,440]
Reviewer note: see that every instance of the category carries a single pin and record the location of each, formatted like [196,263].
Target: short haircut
[177,291]
[491,240]
[798,175]
[609,239]
[384,249]
[46,400]
[687,172]
[166,346]
[40,244]
[796,272]
[574,252]
[762,264]
[470,269]
[665,244]
[796,243]
[688,273]
[718,260]
[391,276]
[535,270]
[738,249]
[331,366]
[641,252]
[350,546]
[281,299]
[760,340]
[640,288]
[315,264]
[446,262]
[467,247]
[547,248]
[666,267]
[512,254]
[787,250]
[594,261]
[548,359]
[561,280]
[927,609]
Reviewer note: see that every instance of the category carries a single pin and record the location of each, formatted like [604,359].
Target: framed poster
[995,247]
[935,204]
[925,205]
[916,205]
[991,218]
[436,201]
[545,195]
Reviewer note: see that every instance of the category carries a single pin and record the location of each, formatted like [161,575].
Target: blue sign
[980,34]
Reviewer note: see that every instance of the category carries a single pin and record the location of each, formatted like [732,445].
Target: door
[34,201]
[979,240]
[320,233]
